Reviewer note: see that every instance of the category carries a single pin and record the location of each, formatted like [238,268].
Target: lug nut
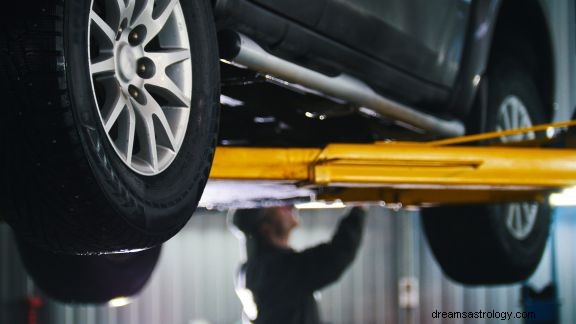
[146,68]
[136,95]
[137,35]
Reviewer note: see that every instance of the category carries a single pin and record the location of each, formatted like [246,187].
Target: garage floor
[193,282]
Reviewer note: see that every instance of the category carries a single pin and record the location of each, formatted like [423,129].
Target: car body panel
[404,34]
[297,43]
[559,15]
[399,48]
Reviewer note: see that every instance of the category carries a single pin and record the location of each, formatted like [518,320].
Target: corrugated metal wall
[193,281]
[565,244]
[14,285]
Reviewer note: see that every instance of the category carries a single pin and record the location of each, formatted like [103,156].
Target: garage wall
[14,285]
[193,281]
[565,244]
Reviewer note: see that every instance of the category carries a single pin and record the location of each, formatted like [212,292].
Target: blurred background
[395,278]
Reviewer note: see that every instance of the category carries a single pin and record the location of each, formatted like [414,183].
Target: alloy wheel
[141,72]
[512,113]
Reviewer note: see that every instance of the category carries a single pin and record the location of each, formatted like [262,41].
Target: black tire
[471,242]
[72,192]
[89,279]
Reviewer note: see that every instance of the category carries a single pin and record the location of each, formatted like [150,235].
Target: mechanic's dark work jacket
[283,281]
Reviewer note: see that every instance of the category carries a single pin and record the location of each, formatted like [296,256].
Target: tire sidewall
[161,203]
[524,253]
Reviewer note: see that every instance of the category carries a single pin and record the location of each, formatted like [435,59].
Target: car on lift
[429,64]
[115,105]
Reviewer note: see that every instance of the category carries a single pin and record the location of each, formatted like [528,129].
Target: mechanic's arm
[321,265]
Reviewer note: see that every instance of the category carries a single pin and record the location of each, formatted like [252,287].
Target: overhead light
[248,304]
[119,302]
[320,205]
[565,198]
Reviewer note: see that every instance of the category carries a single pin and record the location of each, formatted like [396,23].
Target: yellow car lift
[412,173]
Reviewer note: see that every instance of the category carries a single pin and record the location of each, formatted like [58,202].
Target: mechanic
[282,281]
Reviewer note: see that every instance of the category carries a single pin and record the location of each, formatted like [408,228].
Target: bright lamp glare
[565,198]
[320,205]
[247,300]
[119,302]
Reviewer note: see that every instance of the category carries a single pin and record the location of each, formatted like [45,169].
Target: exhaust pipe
[243,51]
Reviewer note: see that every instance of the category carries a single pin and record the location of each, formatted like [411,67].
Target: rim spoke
[144,16]
[155,24]
[167,129]
[527,209]
[510,217]
[166,87]
[103,66]
[128,10]
[148,133]
[169,57]
[521,114]
[114,11]
[515,115]
[524,121]
[155,108]
[103,26]
[514,218]
[522,218]
[165,14]
[503,139]
[116,110]
[127,134]
[506,119]
[147,136]
[520,225]
[510,116]
[151,148]
[120,5]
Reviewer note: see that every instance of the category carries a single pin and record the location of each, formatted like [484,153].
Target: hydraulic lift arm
[410,173]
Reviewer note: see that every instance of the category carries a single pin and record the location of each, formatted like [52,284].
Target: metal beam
[408,164]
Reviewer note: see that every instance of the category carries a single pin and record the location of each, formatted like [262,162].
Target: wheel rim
[141,74]
[520,217]
[513,114]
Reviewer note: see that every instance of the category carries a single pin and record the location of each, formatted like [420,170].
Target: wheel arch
[492,24]
[522,31]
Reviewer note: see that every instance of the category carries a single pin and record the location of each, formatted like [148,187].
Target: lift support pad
[408,172]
